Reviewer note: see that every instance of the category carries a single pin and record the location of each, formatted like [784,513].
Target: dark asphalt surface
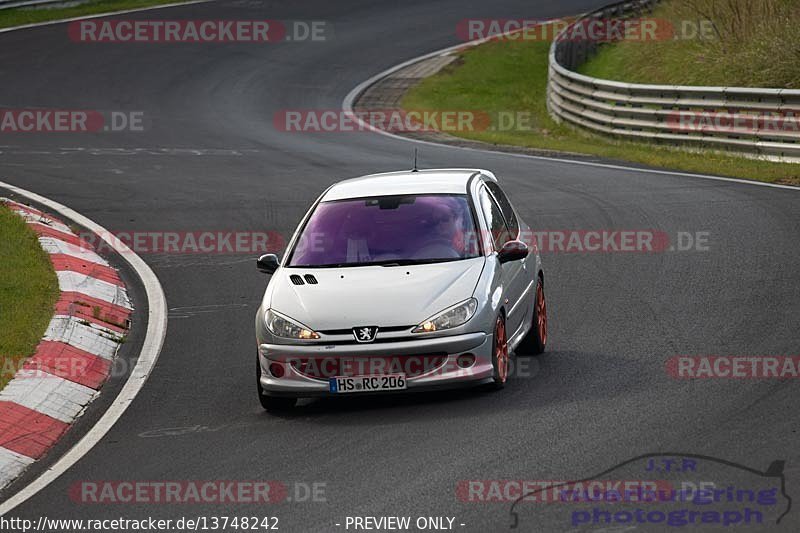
[212,160]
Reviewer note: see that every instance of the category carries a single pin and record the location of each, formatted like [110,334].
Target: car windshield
[387,230]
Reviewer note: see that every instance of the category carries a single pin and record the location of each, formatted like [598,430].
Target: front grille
[343,365]
[349,331]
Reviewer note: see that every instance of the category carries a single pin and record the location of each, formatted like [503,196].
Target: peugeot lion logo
[365,333]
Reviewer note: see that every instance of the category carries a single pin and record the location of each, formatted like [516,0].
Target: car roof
[429,181]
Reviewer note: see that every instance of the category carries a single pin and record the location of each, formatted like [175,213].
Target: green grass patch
[748,43]
[511,76]
[31,15]
[28,292]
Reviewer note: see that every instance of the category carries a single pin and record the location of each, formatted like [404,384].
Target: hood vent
[298,280]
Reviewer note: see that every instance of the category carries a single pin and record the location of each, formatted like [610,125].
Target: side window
[505,207]
[494,219]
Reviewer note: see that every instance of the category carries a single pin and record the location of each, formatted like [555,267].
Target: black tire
[271,403]
[535,342]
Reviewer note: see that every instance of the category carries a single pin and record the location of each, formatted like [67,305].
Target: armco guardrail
[761,122]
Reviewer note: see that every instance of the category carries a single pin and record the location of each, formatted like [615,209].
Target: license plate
[341,385]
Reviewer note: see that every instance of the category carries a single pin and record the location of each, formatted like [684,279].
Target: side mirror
[512,251]
[267,263]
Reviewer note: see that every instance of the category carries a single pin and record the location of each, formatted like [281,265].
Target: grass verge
[511,76]
[28,292]
[745,44]
[30,15]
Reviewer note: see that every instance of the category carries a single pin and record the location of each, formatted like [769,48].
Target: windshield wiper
[406,262]
[387,263]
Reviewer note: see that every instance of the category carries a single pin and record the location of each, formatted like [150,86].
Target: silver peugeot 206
[412,280]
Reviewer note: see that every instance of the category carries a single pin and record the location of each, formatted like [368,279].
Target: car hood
[344,298]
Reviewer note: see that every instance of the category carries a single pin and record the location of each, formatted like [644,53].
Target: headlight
[449,318]
[285,327]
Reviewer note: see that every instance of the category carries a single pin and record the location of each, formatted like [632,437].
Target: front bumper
[447,375]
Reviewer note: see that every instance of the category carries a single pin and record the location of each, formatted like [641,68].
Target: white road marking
[195,310]
[151,348]
[70,281]
[90,338]
[11,465]
[45,393]
[57,246]
[98,15]
[30,217]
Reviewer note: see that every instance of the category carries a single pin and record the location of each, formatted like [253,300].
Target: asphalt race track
[211,159]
